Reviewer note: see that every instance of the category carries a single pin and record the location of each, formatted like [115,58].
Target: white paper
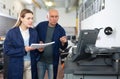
[34,45]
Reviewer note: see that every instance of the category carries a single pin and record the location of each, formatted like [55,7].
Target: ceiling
[59,3]
[69,5]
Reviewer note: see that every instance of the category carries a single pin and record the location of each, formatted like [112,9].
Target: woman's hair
[22,15]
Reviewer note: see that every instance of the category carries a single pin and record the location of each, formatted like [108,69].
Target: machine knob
[108,30]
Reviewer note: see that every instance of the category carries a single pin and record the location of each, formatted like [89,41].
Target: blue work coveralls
[14,48]
[57,34]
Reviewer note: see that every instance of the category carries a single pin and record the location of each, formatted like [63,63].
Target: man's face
[53,17]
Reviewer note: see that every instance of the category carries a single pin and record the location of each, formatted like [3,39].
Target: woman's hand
[28,48]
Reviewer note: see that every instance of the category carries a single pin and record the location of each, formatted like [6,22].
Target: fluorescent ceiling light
[49,3]
[29,1]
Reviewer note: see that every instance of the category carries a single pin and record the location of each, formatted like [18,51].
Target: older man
[49,31]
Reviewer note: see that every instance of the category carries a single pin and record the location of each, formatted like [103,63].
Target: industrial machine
[1,56]
[91,62]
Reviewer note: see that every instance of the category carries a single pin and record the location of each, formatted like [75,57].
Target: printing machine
[1,55]
[3,60]
[91,62]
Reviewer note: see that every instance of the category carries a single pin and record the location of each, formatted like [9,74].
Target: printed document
[34,45]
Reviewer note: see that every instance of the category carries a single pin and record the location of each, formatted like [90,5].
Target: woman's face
[27,20]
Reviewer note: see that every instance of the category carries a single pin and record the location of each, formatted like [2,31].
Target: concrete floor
[60,73]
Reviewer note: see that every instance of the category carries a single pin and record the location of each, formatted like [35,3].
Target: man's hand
[63,40]
[41,49]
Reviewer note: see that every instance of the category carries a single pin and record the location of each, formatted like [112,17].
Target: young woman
[22,57]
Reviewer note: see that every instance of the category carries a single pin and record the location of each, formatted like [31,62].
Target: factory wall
[109,17]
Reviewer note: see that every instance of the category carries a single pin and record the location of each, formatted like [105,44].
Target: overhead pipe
[70,5]
[42,4]
[36,3]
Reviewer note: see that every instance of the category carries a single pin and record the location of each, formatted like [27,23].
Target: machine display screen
[86,37]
